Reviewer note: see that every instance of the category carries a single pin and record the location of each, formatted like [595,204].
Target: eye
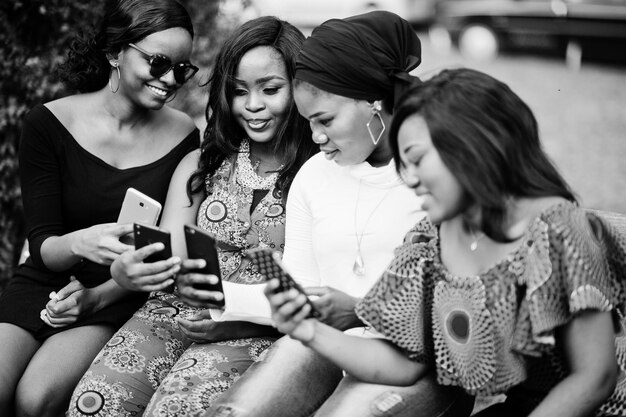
[240,92]
[325,122]
[270,91]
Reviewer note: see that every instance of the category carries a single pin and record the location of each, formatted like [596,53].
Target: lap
[203,373]
[425,398]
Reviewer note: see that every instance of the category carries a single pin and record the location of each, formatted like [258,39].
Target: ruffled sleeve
[397,306]
[576,262]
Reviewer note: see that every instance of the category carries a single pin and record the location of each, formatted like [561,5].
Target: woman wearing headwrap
[346,212]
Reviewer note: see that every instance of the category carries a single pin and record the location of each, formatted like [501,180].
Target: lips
[257,124]
[329,153]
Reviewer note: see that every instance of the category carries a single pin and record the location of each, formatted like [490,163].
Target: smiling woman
[78,156]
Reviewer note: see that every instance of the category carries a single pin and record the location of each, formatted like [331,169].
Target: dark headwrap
[365,57]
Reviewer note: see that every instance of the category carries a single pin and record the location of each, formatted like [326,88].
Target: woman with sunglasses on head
[171,358]
[508,286]
[78,155]
[346,212]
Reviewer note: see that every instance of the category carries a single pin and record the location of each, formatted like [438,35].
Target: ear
[113,59]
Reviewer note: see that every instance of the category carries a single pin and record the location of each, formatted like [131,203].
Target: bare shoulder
[71,108]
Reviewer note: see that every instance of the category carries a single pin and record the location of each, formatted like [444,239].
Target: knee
[38,401]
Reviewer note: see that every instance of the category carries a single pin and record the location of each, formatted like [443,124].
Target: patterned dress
[495,333]
[149,367]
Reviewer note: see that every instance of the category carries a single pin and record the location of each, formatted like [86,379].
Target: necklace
[359,265]
[246,173]
[474,244]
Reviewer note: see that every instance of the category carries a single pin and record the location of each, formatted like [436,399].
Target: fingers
[199,297]
[317,291]
[68,290]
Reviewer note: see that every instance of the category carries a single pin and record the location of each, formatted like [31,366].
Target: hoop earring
[376,108]
[119,78]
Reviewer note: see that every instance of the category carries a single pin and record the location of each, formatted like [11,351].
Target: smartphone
[145,235]
[271,267]
[139,208]
[201,245]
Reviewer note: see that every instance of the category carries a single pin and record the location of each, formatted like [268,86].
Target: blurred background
[565,58]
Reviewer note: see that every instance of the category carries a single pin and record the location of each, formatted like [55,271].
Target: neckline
[102,162]
[524,241]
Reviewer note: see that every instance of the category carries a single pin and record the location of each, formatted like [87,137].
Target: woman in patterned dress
[508,286]
[254,143]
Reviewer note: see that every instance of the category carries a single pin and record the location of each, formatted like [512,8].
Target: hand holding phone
[201,245]
[146,235]
[267,264]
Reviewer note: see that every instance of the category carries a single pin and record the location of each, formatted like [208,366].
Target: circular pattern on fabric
[464,344]
[216,211]
[116,340]
[184,364]
[166,311]
[275,210]
[458,325]
[90,402]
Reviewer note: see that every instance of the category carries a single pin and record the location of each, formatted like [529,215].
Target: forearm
[60,253]
[575,396]
[370,360]
[108,293]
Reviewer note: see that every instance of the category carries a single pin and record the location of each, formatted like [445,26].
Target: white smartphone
[139,208]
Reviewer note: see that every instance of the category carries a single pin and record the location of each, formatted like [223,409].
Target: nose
[254,102]
[410,177]
[320,139]
[168,78]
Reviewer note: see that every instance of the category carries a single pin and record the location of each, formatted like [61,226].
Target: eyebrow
[319,113]
[262,80]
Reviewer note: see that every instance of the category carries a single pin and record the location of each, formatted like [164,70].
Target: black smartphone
[201,245]
[268,266]
[145,235]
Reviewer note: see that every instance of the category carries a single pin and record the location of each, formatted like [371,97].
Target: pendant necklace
[474,244]
[359,265]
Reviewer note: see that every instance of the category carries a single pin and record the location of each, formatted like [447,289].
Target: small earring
[119,77]
[376,108]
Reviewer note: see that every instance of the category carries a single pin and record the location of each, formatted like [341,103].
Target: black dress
[66,188]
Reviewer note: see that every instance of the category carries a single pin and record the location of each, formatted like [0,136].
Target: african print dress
[149,367]
[495,333]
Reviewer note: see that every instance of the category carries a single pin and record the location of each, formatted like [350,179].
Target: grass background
[581,115]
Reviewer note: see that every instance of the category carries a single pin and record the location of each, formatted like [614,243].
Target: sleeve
[299,257]
[576,262]
[398,305]
[40,177]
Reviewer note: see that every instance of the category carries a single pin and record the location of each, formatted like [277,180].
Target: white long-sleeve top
[329,207]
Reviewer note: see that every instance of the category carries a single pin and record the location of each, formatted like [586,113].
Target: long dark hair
[487,137]
[223,136]
[125,21]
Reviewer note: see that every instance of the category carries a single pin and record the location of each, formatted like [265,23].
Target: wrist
[307,336]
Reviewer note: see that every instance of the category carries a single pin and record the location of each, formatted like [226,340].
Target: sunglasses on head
[161,65]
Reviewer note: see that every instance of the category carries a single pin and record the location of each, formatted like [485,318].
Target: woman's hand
[200,327]
[187,282]
[336,307]
[130,272]
[69,304]
[290,311]
[101,243]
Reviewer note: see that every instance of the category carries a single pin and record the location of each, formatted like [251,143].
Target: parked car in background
[579,28]
[310,13]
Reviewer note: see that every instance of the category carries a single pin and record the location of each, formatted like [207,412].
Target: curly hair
[223,136]
[87,69]
[487,137]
